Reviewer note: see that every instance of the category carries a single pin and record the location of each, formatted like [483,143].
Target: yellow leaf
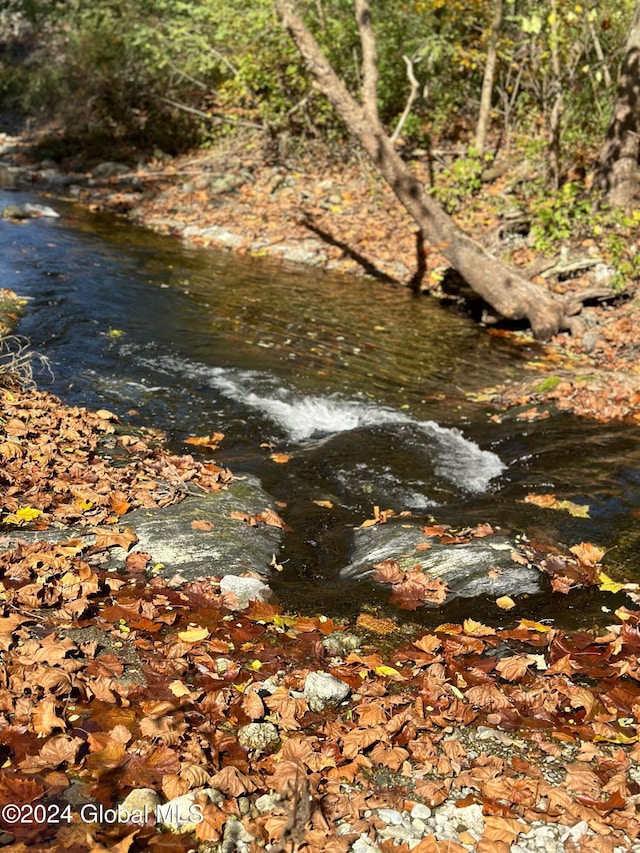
[618,737]
[551,502]
[534,626]
[255,665]
[179,689]
[284,621]
[326,504]
[607,584]
[194,634]
[386,670]
[23,515]
[505,602]
[212,441]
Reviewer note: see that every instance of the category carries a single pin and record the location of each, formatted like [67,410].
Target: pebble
[245,590]
[322,690]
[259,737]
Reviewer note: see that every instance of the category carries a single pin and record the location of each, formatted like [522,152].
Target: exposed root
[19,363]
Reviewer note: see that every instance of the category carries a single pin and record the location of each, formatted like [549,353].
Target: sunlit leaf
[211,441]
[23,515]
[194,634]
[280,458]
[607,584]
[551,502]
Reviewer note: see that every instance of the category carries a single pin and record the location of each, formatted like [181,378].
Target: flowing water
[362,385]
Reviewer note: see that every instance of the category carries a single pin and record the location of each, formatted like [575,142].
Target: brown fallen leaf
[202,524]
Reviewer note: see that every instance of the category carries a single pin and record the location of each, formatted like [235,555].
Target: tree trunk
[487,80]
[617,171]
[509,293]
[556,111]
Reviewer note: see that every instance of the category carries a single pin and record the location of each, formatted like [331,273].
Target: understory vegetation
[169,74]
[157,78]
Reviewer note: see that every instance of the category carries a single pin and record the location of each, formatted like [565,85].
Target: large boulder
[231,545]
[204,535]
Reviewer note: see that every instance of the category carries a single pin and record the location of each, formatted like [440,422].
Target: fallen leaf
[193,634]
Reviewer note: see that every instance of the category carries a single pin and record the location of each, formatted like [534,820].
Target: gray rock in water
[480,567]
[322,690]
[231,546]
[13,211]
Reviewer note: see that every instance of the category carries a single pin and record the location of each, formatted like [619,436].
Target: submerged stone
[480,567]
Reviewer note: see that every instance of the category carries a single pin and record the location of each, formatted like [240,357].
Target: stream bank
[341,216]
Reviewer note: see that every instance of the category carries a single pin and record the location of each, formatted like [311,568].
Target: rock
[110,169]
[267,803]
[469,569]
[12,211]
[340,643]
[220,184]
[420,812]
[183,814]
[259,737]
[364,845]
[590,339]
[231,546]
[245,590]
[140,802]
[29,211]
[322,690]
[12,176]
[235,837]
[214,234]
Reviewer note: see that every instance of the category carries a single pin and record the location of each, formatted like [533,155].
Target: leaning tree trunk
[617,171]
[509,293]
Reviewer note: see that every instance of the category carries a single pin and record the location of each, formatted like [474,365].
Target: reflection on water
[361,383]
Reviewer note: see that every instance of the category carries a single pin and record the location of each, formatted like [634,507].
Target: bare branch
[410,100]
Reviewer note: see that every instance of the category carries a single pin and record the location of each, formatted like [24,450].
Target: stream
[362,385]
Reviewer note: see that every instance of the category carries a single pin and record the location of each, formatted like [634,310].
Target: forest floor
[466,738]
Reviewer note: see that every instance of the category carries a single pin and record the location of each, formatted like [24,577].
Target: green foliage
[461,181]
[559,216]
[616,231]
[169,73]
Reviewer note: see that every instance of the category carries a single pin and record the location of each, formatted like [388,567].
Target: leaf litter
[115,682]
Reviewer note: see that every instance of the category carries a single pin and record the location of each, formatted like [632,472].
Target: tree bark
[617,170]
[509,293]
[487,80]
